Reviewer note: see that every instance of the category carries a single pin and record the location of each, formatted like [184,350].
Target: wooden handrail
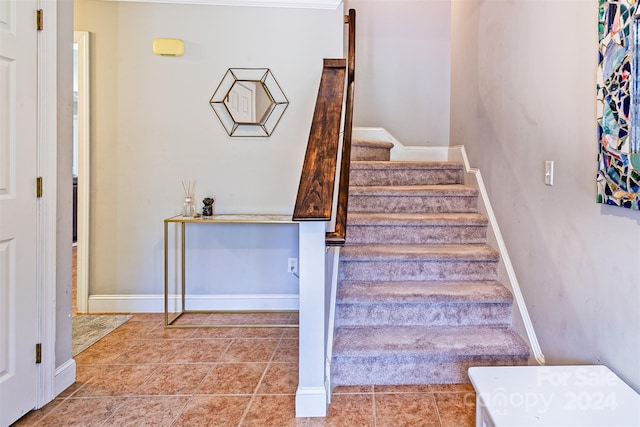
[315,192]
[339,235]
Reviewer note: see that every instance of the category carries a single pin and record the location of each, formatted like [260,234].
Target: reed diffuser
[189,205]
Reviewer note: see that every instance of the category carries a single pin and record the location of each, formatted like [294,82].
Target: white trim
[297,4]
[65,376]
[505,261]
[47,215]
[311,402]
[333,257]
[522,320]
[154,303]
[84,163]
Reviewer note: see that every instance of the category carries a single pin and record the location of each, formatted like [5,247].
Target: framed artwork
[618,104]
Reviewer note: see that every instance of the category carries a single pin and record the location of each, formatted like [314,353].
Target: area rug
[87,330]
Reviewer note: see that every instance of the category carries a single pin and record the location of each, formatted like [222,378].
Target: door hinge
[39,353]
[39,186]
[39,19]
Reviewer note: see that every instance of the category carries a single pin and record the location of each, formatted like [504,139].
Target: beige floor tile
[160,332]
[280,378]
[116,380]
[148,351]
[174,379]
[401,389]
[233,378]
[271,411]
[105,351]
[406,410]
[148,411]
[287,351]
[353,389]
[352,410]
[199,351]
[250,350]
[451,388]
[456,409]
[81,412]
[213,411]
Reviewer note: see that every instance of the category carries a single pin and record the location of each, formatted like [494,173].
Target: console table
[181,222]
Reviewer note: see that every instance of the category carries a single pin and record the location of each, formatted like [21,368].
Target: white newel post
[311,396]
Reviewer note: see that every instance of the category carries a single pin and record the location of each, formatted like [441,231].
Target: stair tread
[401,252]
[416,218]
[410,190]
[384,164]
[428,342]
[357,142]
[369,292]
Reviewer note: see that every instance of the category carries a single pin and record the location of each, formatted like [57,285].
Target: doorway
[81,171]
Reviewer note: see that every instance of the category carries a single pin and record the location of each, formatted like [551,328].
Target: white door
[18,114]
[241,102]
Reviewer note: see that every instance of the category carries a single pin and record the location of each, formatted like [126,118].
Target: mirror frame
[272,116]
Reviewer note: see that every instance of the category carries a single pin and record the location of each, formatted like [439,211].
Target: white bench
[589,395]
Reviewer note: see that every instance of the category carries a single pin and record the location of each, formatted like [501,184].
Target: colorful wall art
[618,104]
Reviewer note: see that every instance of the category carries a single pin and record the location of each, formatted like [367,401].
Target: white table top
[584,395]
[235,218]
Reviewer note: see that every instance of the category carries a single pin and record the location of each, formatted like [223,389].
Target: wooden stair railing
[315,193]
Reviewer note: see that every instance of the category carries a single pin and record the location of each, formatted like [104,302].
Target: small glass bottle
[189,207]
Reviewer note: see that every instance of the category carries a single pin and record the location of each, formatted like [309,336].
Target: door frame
[82,38]
[46,227]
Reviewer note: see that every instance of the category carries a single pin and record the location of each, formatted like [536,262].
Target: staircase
[418,298]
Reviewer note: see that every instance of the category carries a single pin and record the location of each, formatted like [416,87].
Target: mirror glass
[249,102]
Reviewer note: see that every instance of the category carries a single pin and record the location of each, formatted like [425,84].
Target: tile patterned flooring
[145,375]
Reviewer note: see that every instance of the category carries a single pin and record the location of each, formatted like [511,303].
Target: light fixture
[168,47]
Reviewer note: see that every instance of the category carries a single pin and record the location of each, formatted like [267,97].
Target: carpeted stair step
[404,173]
[418,262]
[416,228]
[413,198]
[362,149]
[423,303]
[421,355]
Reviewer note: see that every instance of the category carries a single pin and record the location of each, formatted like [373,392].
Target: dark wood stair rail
[317,181]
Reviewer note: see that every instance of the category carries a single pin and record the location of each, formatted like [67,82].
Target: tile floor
[143,374]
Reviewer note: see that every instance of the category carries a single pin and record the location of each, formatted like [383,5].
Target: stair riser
[369,153]
[416,234]
[404,177]
[410,370]
[423,314]
[418,270]
[412,204]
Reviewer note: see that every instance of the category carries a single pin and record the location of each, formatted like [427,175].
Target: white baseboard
[311,402]
[153,303]
[65,376]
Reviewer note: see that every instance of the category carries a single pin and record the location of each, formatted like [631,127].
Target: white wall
[522,92]
[152,126]
[403,52]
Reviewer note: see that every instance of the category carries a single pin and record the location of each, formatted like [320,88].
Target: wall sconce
[168,47]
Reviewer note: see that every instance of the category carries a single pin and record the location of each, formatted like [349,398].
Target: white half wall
[523,93]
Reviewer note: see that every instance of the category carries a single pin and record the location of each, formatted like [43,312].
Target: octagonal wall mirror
[249,102]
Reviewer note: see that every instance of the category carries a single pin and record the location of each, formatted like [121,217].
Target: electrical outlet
[292,265]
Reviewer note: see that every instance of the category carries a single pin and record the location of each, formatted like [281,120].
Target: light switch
[548,172]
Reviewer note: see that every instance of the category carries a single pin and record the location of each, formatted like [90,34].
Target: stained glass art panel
[618,104]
